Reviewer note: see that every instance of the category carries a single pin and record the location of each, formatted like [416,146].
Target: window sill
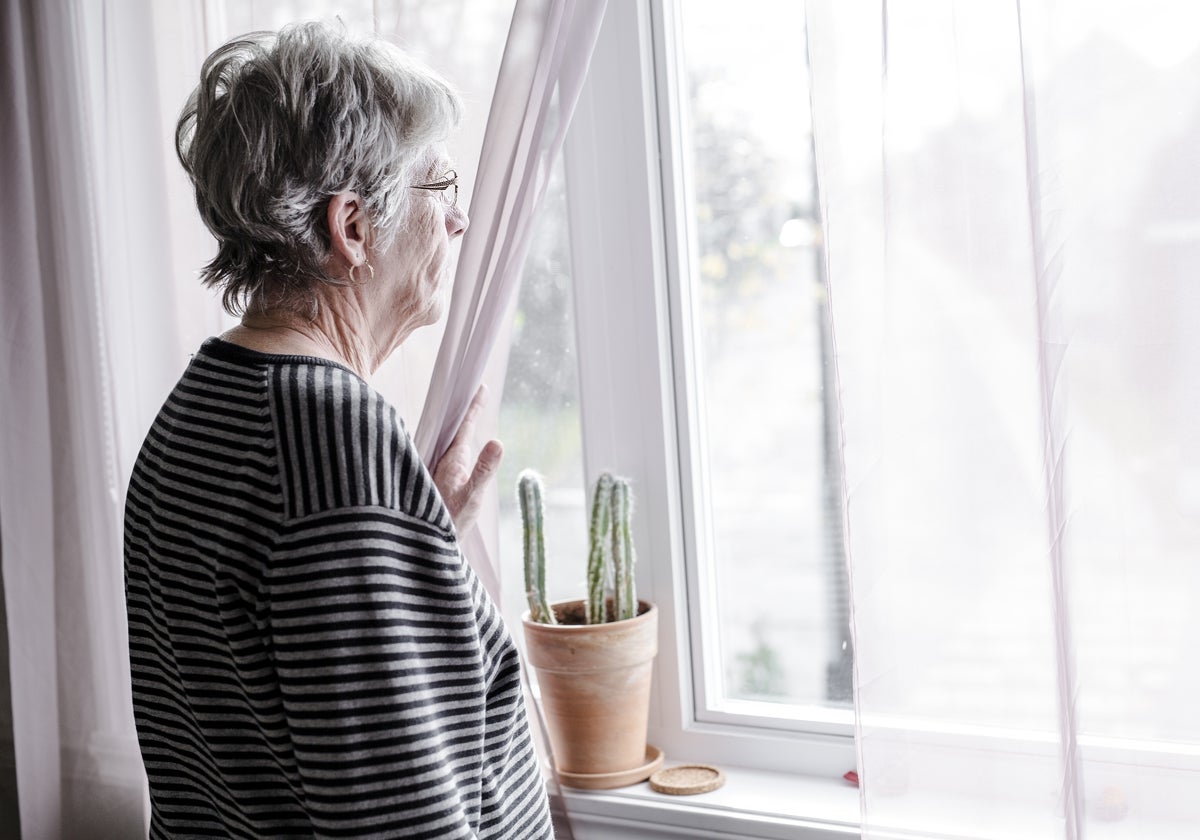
[752,805]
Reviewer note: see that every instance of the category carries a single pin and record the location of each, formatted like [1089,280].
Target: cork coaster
[687,779]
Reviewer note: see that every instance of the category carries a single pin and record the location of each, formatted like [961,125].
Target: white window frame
[632,320]
[710,706]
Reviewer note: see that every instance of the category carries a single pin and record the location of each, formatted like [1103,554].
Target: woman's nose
[456,221]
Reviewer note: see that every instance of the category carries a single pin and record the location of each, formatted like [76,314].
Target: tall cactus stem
[599,557]
[625,605]
[529,493]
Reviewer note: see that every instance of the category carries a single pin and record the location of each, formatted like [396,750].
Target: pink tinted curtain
[87,316]
[545,62]
[1012,220]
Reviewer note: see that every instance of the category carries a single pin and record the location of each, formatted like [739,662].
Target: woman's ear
[349,227]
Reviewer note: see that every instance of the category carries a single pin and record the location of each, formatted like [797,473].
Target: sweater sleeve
[382,676]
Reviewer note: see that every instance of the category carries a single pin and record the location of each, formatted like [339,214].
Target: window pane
[539,415]
[776,562]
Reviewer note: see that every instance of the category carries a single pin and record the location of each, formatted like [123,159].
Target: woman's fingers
[467,427]
[461,483]
[470,495]
[487,465]
[455,467]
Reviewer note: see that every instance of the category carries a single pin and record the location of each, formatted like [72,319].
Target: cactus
[599,557]
[625,600]
[610,553]
[529,493]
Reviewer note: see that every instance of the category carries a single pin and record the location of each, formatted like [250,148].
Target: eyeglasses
[447,185]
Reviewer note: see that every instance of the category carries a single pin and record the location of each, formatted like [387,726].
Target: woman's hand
[460,481]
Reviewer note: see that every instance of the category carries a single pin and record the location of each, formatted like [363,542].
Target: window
[694,282]
[765,497]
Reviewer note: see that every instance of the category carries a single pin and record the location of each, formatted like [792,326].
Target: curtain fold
[1009,210]
[1046,243]
[545,61]
[549,47]
[26,520]
[67,308]
[90,317]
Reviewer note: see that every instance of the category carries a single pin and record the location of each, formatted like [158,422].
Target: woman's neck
[339,339]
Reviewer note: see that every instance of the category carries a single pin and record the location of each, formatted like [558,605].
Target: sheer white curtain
[545,62]
[1013,238]
[88,315]
[546,56]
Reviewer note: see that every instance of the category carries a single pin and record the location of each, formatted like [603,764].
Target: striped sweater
[311,655]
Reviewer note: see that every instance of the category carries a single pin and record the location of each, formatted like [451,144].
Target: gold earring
[352,280]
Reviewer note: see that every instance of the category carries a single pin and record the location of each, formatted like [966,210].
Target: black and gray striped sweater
[311,656]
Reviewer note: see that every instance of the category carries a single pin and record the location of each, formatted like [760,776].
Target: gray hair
[281,122]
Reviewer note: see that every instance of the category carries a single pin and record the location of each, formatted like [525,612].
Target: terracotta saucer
[621,778]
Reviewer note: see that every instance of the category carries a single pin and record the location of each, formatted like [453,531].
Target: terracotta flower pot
[595,683]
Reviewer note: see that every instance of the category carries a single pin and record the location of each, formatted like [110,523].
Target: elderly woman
[311,655]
